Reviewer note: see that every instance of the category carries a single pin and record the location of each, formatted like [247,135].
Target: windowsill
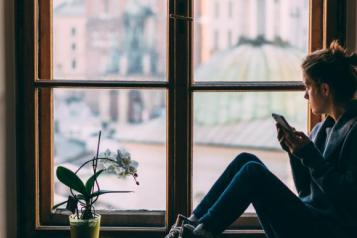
[155,232]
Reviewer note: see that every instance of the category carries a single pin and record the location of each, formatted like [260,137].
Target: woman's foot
[193,218]
[199,231]
[177,228]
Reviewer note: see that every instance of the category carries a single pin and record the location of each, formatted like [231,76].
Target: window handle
[180,17]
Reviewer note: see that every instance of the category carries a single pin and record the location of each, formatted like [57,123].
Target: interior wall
[351,29]
[8,224]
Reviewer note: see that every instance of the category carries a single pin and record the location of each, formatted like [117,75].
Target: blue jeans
[248,181]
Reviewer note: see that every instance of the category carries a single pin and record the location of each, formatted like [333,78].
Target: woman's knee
[245,157]
[255,169]
[252,173]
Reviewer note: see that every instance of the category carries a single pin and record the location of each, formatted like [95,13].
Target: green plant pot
[84,228]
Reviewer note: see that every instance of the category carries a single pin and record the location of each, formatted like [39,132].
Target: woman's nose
[306,96]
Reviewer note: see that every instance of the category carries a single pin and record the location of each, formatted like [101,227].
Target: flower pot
[84,228]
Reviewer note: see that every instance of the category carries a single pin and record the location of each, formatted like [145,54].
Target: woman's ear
[325,89]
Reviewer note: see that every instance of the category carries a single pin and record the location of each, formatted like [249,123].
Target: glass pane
[134,120]
[226,124]
[109,39]
[258,40]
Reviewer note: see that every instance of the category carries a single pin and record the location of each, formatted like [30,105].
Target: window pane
[254,40]
[131,119]
[114,40]
[226,124]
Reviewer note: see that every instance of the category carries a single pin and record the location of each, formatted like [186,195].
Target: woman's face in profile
[317,101]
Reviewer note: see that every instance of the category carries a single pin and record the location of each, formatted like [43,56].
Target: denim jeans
[248,181]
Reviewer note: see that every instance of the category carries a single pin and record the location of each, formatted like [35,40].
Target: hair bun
[336,49]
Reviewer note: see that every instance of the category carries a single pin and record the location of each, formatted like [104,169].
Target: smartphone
[281,120]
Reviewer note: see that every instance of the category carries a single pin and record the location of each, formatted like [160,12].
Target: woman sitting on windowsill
[324,166]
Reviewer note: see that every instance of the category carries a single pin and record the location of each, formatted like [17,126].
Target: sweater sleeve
[340,185]
[301,173]
[301,176]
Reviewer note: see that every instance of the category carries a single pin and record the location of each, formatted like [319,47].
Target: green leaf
[100,192]
[70,179]
[72,204]
[91,180]
[58,205]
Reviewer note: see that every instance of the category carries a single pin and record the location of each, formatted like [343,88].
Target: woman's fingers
[289,145]
[292,141]
[281,137]
[296,140]
[280,131]
[280,134]
[289,139]
[301,134]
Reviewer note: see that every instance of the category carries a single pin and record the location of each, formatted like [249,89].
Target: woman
[324,166]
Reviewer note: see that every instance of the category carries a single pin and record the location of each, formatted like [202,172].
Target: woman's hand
[291,141]
[281,137]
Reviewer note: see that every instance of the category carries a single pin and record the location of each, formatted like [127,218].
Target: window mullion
[181,135]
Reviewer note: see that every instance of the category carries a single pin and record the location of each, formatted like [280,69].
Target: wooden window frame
[34,108]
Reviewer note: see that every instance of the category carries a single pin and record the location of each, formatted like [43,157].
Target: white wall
[8,224]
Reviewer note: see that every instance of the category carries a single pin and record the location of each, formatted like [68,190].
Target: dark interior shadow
[8,21]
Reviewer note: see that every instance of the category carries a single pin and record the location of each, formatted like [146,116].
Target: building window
[230,9]
[114,105]
[73,64]
[73,31]
[216,9]
[215,40]
[106,6]
[73,46]
[262,17]
[183,130]
[229,39]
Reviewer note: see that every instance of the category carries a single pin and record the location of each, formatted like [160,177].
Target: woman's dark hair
[335,67]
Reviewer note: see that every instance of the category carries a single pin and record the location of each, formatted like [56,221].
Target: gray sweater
[325,171]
